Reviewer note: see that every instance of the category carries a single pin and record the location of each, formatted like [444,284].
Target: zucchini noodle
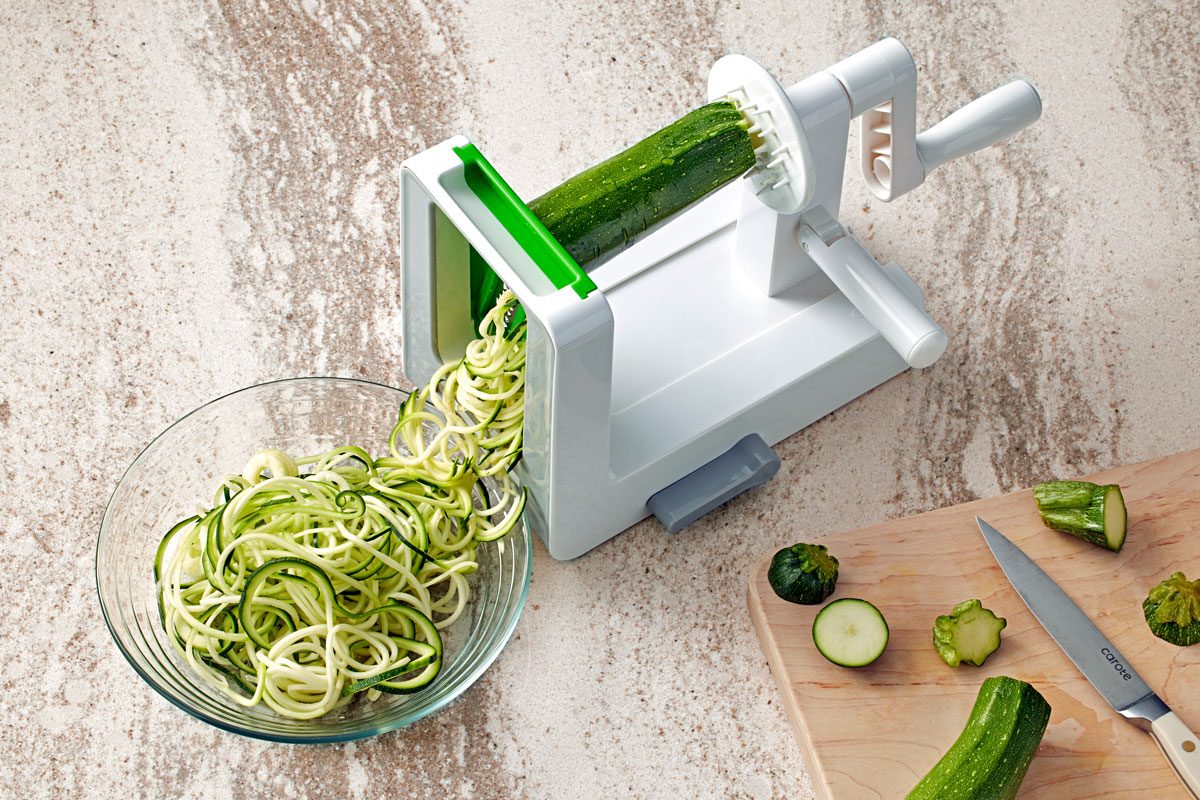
[311,580]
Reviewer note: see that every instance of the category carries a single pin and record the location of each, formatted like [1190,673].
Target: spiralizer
[657,382]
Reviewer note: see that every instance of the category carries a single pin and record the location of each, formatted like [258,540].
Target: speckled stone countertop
[201,196]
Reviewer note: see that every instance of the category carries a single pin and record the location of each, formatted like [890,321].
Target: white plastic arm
[902,323]
[985,121]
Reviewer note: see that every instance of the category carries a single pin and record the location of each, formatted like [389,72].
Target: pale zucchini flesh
[850,632]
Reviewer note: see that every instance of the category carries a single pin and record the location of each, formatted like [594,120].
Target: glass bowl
[178,471]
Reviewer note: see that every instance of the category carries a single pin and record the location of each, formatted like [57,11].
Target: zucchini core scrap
[969,633]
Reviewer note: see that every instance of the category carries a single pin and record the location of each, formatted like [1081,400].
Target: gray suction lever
[749,463]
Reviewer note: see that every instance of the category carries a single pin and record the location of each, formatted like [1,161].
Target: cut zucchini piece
[1090,511]
[850,632]
[803,573]
[969,633]
[1172,610]
[991,756]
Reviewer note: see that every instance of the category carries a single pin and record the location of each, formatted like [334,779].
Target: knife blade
[1096,657]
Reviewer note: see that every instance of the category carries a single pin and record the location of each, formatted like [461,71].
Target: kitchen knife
[1097,658]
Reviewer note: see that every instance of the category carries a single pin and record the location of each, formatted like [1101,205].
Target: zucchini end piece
[803,573]
[1172,610]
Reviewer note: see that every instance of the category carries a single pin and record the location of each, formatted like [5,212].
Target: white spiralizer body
[657,381]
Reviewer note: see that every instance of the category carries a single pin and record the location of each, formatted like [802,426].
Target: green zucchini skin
[803,573]
[1089,511]
[603,209]
[1172,610]
[991,756]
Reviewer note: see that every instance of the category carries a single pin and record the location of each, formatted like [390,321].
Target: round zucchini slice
[850,632]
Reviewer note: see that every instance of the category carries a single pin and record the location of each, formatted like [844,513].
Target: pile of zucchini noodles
[333,574]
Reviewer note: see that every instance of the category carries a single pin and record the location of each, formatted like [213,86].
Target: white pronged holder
[781,179]
[743,319]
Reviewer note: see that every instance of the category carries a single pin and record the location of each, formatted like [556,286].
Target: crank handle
[983,122]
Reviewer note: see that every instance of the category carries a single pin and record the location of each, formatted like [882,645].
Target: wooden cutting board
[873,732]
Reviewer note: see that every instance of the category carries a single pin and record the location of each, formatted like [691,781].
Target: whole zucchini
[992,755]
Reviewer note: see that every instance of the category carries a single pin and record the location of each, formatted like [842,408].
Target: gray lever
[749,463]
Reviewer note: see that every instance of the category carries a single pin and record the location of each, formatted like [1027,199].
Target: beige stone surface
[200,196]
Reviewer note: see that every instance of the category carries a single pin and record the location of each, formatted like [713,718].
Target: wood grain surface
[872,733]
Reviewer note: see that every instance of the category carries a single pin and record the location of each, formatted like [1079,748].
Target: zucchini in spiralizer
[850,632]
[604,209]
[1090,511]
[803,573]
[969,633]
[1172,610]
[991,756]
